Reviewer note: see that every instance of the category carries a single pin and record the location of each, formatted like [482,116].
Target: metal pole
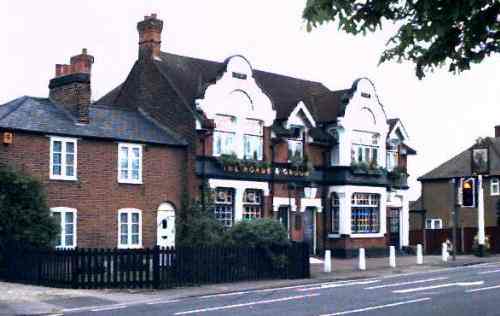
[480,215]
[455,218]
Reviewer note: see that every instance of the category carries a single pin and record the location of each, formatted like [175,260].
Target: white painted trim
[304,203]
[64,210]
[284,201]
[129,180]
[64,141]
[239,190]
[295,112]
[129,212]
[497,184]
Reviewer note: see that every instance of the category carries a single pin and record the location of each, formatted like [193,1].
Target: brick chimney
[149,37]
[497,131]
[71,86]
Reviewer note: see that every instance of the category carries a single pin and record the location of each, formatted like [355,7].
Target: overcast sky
[443,113]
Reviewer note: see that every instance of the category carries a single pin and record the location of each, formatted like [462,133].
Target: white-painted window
[224,135]
[365,148]
[494,186]
[129,228]
[296,144]
[66,219]
[224,206]
[365,213]
[252,139]
[392,159]
[433,223]
[129,163]
[335,213]
[63,153]
[252,204]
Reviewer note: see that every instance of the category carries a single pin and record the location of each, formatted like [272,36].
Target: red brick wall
[97,195]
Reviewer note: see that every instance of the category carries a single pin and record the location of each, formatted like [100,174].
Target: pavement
[19,299]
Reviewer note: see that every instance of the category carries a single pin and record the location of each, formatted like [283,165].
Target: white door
[166,228]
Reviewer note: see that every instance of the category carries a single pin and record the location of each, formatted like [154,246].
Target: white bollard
[328,261]
[444,252]
[420,257]
[392,256]
[362,259]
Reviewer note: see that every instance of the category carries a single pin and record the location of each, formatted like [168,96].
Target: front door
[393,225]
[165,222]
[310,228]
[284,218]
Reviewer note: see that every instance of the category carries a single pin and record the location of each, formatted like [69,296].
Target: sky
[443,114]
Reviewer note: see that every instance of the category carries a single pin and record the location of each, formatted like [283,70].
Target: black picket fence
[153,268]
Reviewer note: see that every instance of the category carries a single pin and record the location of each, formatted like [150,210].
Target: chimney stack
[497,131]
[150,37]
[71,86]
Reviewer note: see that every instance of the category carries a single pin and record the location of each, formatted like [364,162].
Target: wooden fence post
[156,267]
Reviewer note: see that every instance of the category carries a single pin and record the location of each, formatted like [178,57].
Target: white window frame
[62,224]
[435,223]
[494,186]
[129,212]
[64,141]
[129,179]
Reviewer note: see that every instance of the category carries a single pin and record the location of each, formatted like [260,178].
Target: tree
[431,32]
[25,218]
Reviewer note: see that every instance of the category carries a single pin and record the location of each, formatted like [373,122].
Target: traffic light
[469,193]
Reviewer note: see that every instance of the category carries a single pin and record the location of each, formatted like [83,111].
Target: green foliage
[25,218]
[431,33]
[197,227]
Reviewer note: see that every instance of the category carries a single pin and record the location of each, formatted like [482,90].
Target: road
[473,290]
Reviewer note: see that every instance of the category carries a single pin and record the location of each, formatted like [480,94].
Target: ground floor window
[129,228]
[365,213]
[433,223]
[224,206]
[66,219]
[335,213]
[252,204]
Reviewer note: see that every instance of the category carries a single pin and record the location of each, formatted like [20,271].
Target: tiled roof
[416,205]
[460,165]
[43,116]
[188,78]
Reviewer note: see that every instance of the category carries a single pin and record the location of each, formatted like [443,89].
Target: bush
[267,234]
[25,218]
[197,227]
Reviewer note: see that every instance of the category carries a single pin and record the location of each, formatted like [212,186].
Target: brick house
[437,192]
[328,164]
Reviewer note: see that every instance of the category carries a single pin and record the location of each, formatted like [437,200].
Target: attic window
[238,75]
[366,95]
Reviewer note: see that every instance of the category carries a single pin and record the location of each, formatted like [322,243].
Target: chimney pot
[150,37]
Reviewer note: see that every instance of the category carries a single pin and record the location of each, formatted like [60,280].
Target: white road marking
[163,302]
[488,272]
[371,308]
[217,308]
[334,285]
[109,308]
[483,289]
[404,283]
[425,288]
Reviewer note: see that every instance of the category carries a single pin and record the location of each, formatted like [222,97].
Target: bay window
[62,158]
[129,163]
[252,204]
[392,159]
[296,145]
[129,228]
[224,135]
[66,219]
[252,140]
[365,213]
[365,148]
[224,206]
